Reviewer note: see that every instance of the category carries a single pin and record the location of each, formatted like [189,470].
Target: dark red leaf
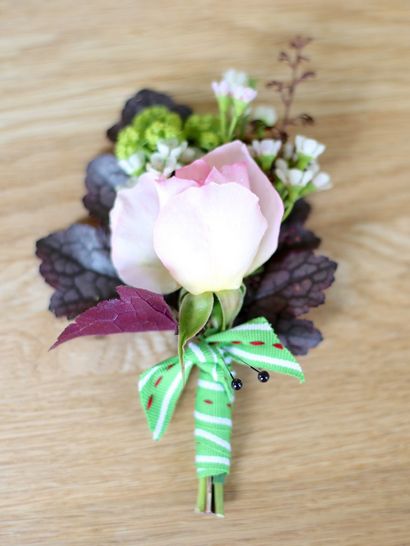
[142,100]
[76,262]
[103,177]
[136,310]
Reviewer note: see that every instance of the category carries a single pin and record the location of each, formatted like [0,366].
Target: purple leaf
[300,213]
[293,234]
[298,335]
[291,282]
[103,177]
[136,310]
[142,100]
[76,262]
[296,236]
[291,285]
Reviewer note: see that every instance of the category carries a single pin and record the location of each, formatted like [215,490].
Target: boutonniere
[197,225]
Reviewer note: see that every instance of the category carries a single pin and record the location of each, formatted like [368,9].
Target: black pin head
[263,376]
[237,384]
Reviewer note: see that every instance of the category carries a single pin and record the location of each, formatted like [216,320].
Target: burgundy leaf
[141,100]
[103,177]
[136,310]
[298,335]
[76,262]
[290,286]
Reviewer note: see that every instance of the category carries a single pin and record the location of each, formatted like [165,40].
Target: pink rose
[205,228]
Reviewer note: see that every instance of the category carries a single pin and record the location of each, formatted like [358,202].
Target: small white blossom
[190,154]
[266,114]
[166,159]
[243,95]
[266,147]
[299,178]
[314,167]
[132,164]
[309,147]
[322,181]
[292,177]
[236,78]
[221,89]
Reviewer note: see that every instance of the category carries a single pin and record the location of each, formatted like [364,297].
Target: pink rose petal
[198,170]
[132,222]
[207,237]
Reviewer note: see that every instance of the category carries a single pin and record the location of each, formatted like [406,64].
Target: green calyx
[194,313]
[212,312]
[230,302]
[265,162]
[303,161]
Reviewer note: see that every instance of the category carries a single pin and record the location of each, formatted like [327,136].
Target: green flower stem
[234,122]
[202,493]
[219,498]
[288,210]
[231,129]
[222,121]
[208,507]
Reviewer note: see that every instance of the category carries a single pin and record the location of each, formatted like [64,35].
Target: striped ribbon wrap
[253,343]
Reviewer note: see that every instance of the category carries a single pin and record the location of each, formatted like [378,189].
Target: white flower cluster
[299,165]
[133,164]
[265,147]
[234,84]
[171,155]
[265,151]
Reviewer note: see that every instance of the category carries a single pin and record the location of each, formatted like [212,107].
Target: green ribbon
[254,344]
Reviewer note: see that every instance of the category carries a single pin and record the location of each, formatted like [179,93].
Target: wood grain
[327,463]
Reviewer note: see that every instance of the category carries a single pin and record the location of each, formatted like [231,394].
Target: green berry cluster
[147,129]
[202,130]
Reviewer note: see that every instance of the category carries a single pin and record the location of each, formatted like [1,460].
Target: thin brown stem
[287,89]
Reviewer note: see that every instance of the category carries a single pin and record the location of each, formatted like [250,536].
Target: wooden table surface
[326,463]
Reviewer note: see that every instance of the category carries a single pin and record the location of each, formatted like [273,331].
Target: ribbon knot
[253,343]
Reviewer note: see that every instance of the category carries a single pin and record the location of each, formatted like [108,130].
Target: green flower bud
[160,130]
[129,140]
[202,130]
[208,140]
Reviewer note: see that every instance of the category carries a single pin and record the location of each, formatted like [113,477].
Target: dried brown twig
[294,58]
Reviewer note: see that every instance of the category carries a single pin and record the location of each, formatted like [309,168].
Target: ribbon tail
[255,343]
[213,426]
[160,388]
